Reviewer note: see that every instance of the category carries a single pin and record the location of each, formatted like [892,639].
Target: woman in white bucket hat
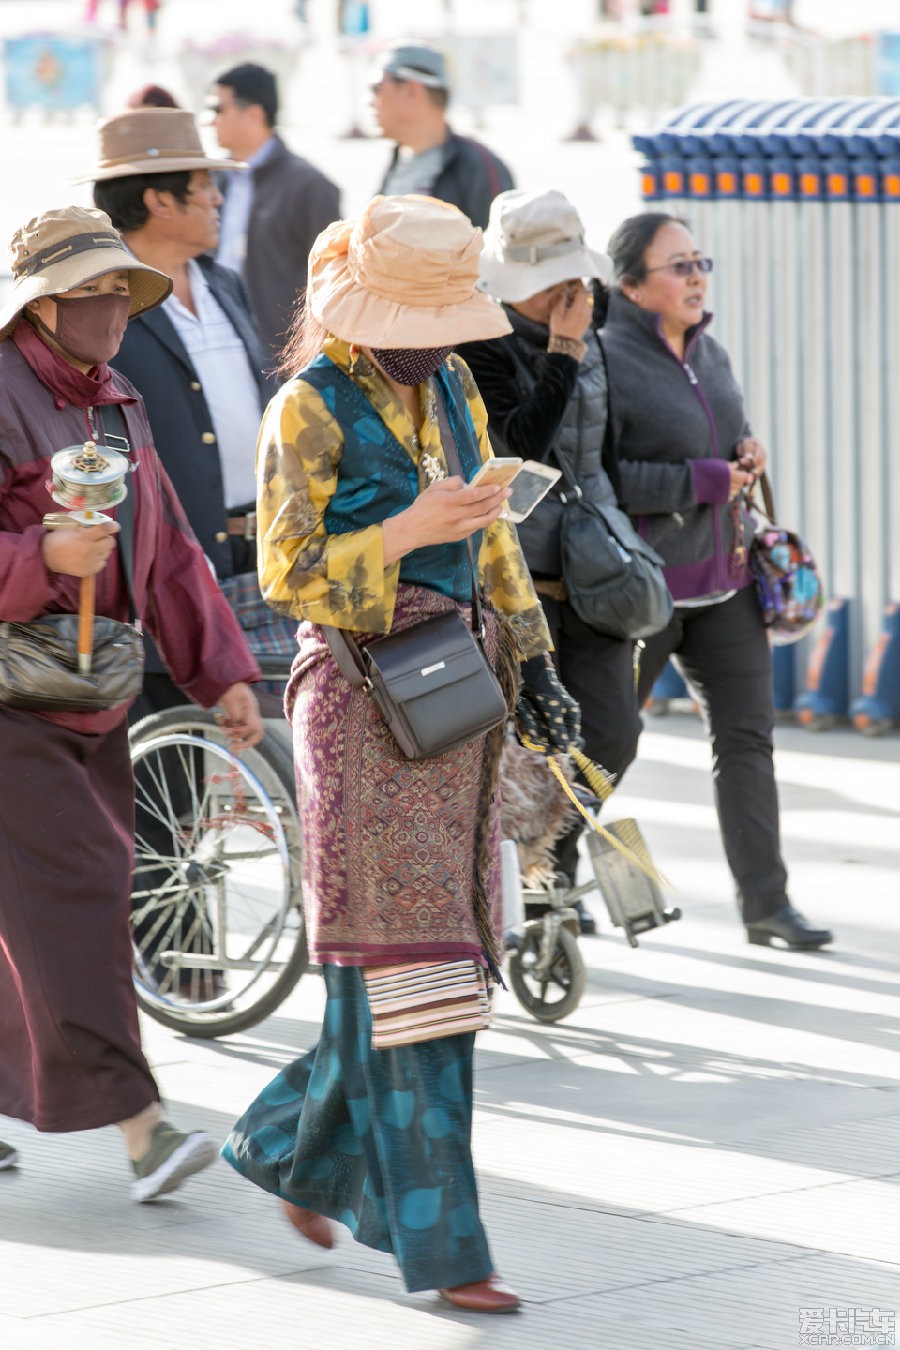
[544,386]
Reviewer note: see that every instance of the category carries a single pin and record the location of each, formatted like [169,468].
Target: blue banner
[54,73]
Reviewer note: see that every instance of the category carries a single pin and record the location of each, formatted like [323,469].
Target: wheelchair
[217,926]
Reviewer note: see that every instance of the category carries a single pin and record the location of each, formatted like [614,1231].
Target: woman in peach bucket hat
[362,526]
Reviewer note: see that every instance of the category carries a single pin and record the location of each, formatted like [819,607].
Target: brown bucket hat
[402,275]
[151,140]
[67,247]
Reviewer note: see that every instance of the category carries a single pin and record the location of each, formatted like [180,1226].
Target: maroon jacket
[175,593]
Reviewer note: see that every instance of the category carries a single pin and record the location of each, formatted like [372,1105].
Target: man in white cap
[410,93]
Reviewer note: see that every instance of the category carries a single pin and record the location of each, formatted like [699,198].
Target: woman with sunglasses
[686,453]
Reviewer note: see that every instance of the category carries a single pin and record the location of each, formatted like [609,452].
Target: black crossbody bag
[432,683]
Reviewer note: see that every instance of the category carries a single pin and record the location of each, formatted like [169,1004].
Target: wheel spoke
[224,886]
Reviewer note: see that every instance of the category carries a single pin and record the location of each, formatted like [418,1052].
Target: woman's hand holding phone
[447,511]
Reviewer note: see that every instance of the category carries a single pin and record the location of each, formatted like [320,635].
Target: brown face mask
[89,327]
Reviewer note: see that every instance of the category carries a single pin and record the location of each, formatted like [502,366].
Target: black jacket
[470,177]
[292,203]
[540,401]
[152,356]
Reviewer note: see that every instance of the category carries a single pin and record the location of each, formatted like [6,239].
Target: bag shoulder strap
[768,500]
[345,651]
[455,466]
[112,412]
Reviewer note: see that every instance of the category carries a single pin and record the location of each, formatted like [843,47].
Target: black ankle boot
[789,925]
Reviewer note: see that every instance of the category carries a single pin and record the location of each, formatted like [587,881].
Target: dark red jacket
[175,593]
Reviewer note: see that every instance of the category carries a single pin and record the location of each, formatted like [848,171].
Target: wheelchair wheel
[551,998]
[216,907]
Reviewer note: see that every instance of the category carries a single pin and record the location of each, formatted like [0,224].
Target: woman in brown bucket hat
[363,526]
[70,1050]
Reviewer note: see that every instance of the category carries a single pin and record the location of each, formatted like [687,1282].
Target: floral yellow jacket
[341,579]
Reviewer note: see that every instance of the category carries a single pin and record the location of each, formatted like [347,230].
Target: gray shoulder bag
[39,660]
[432,683]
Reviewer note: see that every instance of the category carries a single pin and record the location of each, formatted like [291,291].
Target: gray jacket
[539,403]
[675,426]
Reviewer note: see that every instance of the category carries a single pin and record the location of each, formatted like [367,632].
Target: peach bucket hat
[402,275]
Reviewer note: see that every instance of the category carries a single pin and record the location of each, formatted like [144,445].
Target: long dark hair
[304,340]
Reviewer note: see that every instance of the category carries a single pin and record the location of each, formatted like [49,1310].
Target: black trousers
[598,672]
[724,655]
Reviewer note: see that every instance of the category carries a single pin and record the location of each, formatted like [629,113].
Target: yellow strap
[602,785]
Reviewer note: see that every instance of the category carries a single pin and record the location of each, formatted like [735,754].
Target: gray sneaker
[8,1156]
[171,1158]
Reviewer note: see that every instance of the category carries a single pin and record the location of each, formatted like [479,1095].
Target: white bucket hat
[535,240]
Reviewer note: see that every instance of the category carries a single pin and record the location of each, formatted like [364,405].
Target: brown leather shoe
[315,1227]
[490,1296]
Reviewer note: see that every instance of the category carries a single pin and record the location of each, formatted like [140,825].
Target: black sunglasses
[684,267]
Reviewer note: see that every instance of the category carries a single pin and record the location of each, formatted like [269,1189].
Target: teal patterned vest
[377,477]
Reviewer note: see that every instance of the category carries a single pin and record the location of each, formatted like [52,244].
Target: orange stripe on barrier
[837,184]
[727,182]
[781,184]
[699,184]
[648,185]
[809,184]
[891,184]
[674,182]
[753,184]
[865,185]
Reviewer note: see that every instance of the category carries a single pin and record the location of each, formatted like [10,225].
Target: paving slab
[706,1146]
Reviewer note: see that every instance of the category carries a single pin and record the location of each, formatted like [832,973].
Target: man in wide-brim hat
[197,360]
[70,1050]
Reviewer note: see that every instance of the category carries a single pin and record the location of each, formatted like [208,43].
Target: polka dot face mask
[410,365]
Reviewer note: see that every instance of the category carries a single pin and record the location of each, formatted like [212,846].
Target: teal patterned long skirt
[379,1140]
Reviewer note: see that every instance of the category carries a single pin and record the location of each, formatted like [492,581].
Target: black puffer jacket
[538,401]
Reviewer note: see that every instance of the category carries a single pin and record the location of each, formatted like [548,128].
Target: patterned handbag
[425,1001]
[790,590]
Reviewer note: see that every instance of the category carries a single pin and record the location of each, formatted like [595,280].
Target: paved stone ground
[706,1146]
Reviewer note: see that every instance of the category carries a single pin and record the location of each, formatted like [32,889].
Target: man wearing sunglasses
[410,93]
[272,214]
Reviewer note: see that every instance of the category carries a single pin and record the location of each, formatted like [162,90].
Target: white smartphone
[496,472]
[532,483]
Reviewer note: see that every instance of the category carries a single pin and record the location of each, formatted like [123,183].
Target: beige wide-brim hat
[402,275]
[535,240]
[151,140]
[66,248]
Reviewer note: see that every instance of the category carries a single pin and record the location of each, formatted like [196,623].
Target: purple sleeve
[712,480]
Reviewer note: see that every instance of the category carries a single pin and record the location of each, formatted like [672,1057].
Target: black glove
[547,717]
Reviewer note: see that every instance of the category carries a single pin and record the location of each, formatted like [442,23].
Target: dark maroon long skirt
[70,1048]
